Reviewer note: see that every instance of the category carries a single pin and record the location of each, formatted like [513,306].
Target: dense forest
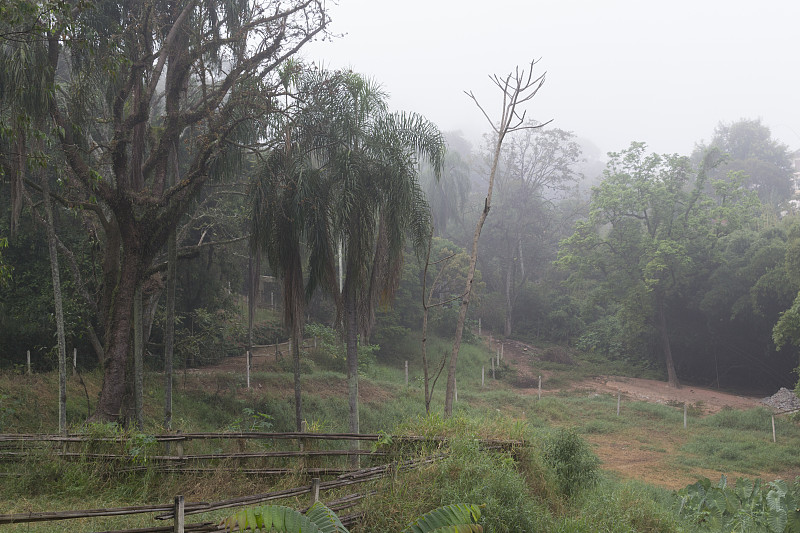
[164,164]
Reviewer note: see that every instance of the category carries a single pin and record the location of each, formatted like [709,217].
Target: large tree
[343,182]
[147,101]
[747,146]
[651,229]
[289,208]
[537,167]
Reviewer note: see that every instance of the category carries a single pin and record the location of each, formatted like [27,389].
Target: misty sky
[665,73]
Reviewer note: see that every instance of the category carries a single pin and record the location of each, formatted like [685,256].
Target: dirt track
[628,455]
[518,355]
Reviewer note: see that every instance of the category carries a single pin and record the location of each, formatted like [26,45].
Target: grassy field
[645,452]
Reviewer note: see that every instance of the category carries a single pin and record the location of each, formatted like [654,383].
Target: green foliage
[572,460]
[320,519]
[330,351]
[536,165]
[5,270]
[274,518]
[325,519]
[787,328]
[747,147]
[651,238]
[140,446]
[750,506]
[448,519]
[27,320]
[470,473]
[207,337]
[251,420]
[751,420]
[6,410]
[623,508]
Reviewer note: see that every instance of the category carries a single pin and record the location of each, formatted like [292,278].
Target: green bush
[472,474]
[622,508]
[331,354]
[574,464]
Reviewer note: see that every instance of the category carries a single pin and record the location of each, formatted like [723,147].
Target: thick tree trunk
[672,376]
[59,310]
[138,359]
[120,321]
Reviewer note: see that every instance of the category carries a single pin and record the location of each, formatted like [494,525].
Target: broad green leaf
[462,517]
[271,517]
[325,519]
[716,503]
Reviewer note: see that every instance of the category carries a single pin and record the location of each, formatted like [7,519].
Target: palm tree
[376,203]
[289,210]
[345,173]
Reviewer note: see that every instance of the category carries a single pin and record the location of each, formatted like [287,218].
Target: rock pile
[783,400]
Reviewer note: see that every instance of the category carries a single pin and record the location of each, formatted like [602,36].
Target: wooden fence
[16,446]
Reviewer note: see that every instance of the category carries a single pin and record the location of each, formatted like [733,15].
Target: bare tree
[427,305]
[518,88]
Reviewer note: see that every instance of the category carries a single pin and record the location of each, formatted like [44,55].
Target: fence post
[29,362]
[773,429]
[619,395]
[540,387]
[179,519]
[248,369]
[303,426]
[493,368]
[406,373]
[483,375]
[479,326]
[74,361]
[502,346]
[314,490]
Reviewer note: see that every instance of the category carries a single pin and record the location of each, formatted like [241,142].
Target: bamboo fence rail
[168,510]
[26,444]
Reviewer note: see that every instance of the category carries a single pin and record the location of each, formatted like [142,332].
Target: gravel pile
[784,400]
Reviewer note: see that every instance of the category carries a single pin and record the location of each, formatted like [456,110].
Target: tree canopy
[650,231]
[144,105]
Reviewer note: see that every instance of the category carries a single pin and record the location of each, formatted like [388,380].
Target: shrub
[330,351]
[749,506]
[574,464]
[613,508]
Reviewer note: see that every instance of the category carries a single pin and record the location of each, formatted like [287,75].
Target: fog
[665,73]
